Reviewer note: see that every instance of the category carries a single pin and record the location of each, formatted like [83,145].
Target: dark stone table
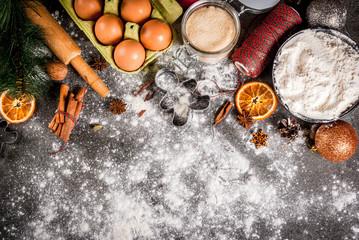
[142,178]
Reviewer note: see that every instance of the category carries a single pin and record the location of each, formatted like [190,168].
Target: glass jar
[256,6]
[210,56]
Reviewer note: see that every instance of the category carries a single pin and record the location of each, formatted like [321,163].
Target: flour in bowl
[318,75]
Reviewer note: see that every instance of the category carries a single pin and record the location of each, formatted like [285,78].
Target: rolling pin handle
[91,77]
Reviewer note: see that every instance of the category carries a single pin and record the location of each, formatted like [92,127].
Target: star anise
[245,119]
[117,106]
[99,64]
[259,139]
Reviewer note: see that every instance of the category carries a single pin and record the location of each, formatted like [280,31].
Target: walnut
[56,70]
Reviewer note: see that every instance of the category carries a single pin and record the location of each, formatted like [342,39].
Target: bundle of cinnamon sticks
[68,111]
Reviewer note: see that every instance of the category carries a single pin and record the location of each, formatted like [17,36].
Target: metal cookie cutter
[7,137]
[180,98]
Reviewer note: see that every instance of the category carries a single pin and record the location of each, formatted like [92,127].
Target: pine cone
[288,128]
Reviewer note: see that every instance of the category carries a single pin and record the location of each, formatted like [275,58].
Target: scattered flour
[345,200]
[141,178]
[181,110]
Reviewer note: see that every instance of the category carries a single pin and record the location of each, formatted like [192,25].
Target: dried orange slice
[257,99]
[16,110]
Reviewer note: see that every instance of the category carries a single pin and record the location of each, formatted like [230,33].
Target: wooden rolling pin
[63,46]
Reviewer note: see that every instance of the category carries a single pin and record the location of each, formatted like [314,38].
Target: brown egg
[137,11]
[88,10]
[336,141]
[129,55]
[155,35]
[109,29]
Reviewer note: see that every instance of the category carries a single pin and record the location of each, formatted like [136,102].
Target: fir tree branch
[21,65]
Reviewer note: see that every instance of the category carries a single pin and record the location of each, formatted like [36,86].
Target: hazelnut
[56,70]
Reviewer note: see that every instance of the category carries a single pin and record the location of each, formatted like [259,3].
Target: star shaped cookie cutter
[180,98]
[7,137]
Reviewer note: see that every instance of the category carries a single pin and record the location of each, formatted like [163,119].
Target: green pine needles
[22,65]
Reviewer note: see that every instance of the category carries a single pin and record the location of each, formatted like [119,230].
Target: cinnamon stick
[223,113]
[69,97]
[149,95]
[53,129]
[79,97]
[52,123]
[80,94]
[141,113]
[144,86]
[58,130]
[64,89]
[70,110]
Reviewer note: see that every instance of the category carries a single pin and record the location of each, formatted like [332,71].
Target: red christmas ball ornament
[186,3]
[336,141]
